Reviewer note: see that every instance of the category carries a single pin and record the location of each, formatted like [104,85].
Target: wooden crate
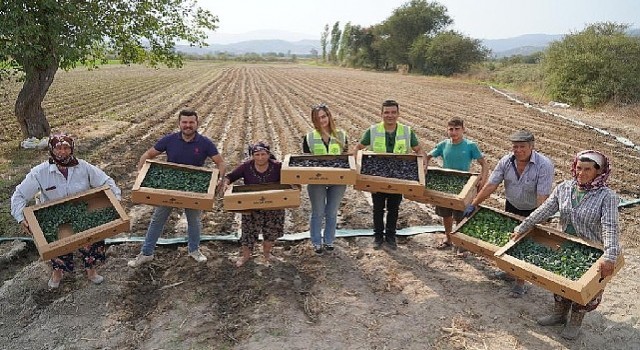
[477,245]
[262,196]
[371,183]
[318,175]
[68,241]
[580,291]
[173,198]
[456,201]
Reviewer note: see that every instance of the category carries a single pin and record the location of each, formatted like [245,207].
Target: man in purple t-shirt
[183,147]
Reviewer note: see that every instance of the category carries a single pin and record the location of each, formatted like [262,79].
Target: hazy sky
[480,19]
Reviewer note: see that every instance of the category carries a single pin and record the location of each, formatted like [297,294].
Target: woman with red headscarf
[588,209]
[61,176]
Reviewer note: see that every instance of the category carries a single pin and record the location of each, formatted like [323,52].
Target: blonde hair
[315,119]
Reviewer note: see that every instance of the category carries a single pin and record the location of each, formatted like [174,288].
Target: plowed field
[415,297]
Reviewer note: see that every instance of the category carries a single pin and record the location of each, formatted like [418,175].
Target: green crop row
[76,214]
[170,178]
[571,260]
[444,182]
[490,227]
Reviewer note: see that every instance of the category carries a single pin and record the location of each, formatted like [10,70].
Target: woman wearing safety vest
[325,199]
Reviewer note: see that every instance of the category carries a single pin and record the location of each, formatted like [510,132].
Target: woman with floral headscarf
[261,168]
[61,176]
[588,209]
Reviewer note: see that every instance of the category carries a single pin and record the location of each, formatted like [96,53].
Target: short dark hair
[390,103]
[456,121]
[188,112]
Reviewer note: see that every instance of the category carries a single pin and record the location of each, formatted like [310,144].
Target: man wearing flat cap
[528,178]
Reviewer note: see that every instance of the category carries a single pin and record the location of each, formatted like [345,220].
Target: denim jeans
[325,200]
[159,219]
[392,204]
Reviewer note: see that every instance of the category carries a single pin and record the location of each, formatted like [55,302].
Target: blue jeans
[159,218]
[325,200]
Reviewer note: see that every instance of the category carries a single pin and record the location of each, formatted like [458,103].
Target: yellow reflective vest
[378,139]
[317,147]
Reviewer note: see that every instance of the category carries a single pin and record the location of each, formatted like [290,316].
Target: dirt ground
[416,297]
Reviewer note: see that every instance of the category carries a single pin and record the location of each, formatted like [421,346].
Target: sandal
[273,258]
[443,245]
[519,290]
[462,253]
[242,261]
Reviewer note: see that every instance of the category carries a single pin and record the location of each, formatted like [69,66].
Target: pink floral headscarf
[601,179]
[58,139]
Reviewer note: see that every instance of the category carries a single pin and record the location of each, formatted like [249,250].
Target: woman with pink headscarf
[61,176]
[588,209]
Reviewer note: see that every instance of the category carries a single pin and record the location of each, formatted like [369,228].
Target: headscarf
[260,146]
[605,168]
[62,139]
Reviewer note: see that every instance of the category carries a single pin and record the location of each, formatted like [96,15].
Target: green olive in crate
[170,178]
[490,227]
[447,183]
[571,260]
[76,214]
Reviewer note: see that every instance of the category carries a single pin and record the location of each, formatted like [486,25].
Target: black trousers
[390,202]
[509,208]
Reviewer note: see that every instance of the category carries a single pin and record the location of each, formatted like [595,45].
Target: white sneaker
[140,260]
[197,256]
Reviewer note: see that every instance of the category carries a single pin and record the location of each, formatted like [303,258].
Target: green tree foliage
[418,54]
[533,58]
[40,36]
[450,52]
[408,23]
[324,37]
[336,33]
[594,66]
[345,43]
[362,52]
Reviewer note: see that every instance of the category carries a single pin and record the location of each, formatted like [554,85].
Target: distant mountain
[527,44]
[301,47]
[521,51]
[523,44]
[263,42]
[227,38]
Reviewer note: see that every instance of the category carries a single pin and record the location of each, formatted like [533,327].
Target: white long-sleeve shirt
[52,185]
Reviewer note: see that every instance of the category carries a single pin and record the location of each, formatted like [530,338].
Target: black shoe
[377,243]
[318,250]
[391,241]
[328,247]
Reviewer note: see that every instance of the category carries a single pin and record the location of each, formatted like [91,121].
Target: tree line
[414,36]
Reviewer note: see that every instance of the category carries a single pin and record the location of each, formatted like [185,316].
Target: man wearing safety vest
[389,136]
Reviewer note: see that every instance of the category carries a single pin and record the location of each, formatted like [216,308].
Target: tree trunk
[29,112]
